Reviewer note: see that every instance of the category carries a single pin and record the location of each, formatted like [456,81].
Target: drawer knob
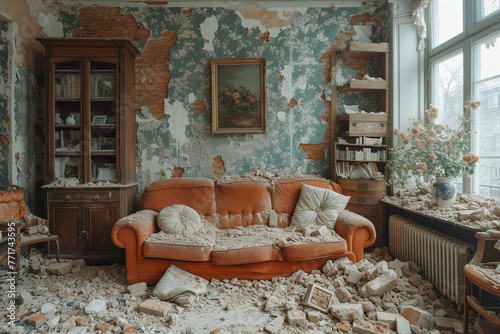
[96,198]
[67,198]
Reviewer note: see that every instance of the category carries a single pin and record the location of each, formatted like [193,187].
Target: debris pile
[469,209]
[376,295]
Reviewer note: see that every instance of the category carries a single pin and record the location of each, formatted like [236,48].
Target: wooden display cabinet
[90,137]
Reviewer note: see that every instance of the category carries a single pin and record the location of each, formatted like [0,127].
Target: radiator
[441,257]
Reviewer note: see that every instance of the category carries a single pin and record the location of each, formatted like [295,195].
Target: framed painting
[238,96]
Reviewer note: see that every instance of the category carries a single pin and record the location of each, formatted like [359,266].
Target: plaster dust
[229,306]
[244,237]
[74,183]
[262,175]
[469,209]
[261,235]
[203,237]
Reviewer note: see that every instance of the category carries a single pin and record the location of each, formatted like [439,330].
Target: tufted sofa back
[232,203]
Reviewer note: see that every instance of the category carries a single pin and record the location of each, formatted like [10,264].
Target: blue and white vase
[444,191]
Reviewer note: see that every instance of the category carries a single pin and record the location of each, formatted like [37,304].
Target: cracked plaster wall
[173,80]
[21,104]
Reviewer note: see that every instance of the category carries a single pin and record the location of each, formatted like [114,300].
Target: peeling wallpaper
[21,104]
[173,81]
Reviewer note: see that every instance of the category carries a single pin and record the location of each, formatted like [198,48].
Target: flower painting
[238,96]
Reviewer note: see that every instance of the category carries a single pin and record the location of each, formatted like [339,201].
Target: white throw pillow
[179,219]
[318,205]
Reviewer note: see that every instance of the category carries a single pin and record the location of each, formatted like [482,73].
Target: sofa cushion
[179,219]
[177,252]
[245,255]
[314,250]
[287,193]
[197,193]
[194,247]
[317,205]
[241,203]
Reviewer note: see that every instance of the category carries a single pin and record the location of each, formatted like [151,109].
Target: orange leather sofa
[230,204]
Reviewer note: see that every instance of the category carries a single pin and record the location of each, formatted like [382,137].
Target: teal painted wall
[176,140]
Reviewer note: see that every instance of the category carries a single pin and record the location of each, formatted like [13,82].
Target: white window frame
[473,32]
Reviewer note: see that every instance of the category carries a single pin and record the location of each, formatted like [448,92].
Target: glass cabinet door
[103,106]
[67,120]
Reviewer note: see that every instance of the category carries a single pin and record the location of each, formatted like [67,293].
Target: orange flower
[474,156]
[432,157]
[396,132]
[422,166]
[467,158]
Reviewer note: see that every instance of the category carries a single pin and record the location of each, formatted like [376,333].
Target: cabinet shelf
[67,127]
[103,153]
[361,161]
[67,153]
[107,126]
[364,50]
[67,99]
[364,85]
[103,99]
[360,145]
[367,134]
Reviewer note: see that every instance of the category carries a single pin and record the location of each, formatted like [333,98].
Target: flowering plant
[433,149]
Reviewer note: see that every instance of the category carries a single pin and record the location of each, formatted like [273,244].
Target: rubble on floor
[376,295]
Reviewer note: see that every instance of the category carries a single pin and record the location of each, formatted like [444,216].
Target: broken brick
[102,326]
[296,318]
[154,307]
[36,320]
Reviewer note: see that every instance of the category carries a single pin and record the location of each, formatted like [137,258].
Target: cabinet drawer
[362,185]
[366,210]
[74,196]
[363,198]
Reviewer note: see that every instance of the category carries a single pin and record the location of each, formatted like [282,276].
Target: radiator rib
[441,257]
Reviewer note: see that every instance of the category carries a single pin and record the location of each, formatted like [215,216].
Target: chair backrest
[12,205]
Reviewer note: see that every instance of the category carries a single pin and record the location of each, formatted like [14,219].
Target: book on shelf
[361,140]
[361,154]
[356,170]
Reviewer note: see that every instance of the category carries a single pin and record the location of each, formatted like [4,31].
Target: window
[448,18]
[463,65]
[488,7]
[448,88]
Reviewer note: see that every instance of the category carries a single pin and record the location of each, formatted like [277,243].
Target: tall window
[464,54]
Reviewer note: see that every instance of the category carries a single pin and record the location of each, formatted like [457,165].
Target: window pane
[448,89]
[488,7]
[487,125]
[447,20]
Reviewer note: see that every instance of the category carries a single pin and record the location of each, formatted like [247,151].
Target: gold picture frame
[238,96]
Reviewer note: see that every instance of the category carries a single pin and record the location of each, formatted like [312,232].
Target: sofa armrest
[142,223]
[358,231]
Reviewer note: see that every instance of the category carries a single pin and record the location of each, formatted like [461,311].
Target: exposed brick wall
[108,22]
[152,75]
[314,152]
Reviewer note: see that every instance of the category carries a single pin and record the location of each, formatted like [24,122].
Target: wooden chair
[28,229]
[480,272]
